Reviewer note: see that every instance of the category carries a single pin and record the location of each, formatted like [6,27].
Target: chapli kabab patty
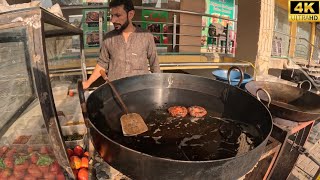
[197,111]
[178,111]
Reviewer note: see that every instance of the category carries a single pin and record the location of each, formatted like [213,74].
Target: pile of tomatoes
[29,163]
[79,162]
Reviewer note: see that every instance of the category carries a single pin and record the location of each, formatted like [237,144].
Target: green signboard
[90,24]
[220,8]
[155,22]
[90,27]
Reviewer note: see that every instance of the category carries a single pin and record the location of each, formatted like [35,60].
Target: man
[127,50]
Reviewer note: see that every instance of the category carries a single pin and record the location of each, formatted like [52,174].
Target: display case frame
[36,22]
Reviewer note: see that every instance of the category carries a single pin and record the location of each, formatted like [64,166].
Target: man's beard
[123,27]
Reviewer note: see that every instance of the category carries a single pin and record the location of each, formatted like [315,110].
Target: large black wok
[145,93]
[288,102]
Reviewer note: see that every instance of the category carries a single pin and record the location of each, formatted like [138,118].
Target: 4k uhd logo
[304,11]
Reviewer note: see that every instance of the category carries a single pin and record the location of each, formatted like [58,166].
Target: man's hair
[127,4]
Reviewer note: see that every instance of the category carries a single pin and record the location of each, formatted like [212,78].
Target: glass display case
[36,77]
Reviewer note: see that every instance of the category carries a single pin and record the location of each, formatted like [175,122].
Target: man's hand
[86,84]
[94,76]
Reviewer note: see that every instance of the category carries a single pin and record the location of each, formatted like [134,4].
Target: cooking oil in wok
[192,139]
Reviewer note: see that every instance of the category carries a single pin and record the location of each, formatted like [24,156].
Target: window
[302,49]
[281,36]
[316,50]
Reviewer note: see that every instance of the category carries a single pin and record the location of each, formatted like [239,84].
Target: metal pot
[287,102]
[145,93]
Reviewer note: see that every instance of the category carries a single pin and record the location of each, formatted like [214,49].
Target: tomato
[5,174]
[14,177]
[86,154]
[84,162]
[19,172]
[29,177]
[71,93]
[75,162]
[30,149]
[75,172]
[54,168]
[8,161]
[49,176]
[3,150]
[78,151]
[34,171]
[60,176]
[23,166]
[44,150]
[83,174]
[11,152]
[34,158]
[69,152]
[44,169]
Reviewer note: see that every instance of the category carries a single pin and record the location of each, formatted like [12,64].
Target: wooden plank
[271,148]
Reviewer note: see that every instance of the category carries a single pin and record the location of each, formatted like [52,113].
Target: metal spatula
[132,123]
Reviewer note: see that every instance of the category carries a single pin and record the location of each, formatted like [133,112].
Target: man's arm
[153,55]
[94,76]
[103,64]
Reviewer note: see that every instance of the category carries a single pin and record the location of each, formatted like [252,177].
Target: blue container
[222,75]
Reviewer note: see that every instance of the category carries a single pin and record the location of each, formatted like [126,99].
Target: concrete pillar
[255,33]
[293,33]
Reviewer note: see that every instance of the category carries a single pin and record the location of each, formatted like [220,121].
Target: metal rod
[83,60]
[227,34]
[204,64]
[174,40]
[296,136]
[162,65]
[148,8]
[304,129]
[170,23]
[100,28]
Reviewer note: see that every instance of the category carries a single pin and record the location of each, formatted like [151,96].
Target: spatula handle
[104,76]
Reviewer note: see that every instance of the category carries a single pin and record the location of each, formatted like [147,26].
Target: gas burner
[103,171]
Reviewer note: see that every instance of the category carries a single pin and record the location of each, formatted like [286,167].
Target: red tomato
[44,150]
[29,177]
[44,169]
[19,172]
[83,174]
[54,168]
[75,172]
[8,161]
[23,166]
[71,93]
[34,171]
[86,154]
[34,158]
[60,176]
[30,149]
[78,151]
[5,174]
[49,176]
[75,162]
[14,177]
[84,162]
[3,149]
[69,152]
